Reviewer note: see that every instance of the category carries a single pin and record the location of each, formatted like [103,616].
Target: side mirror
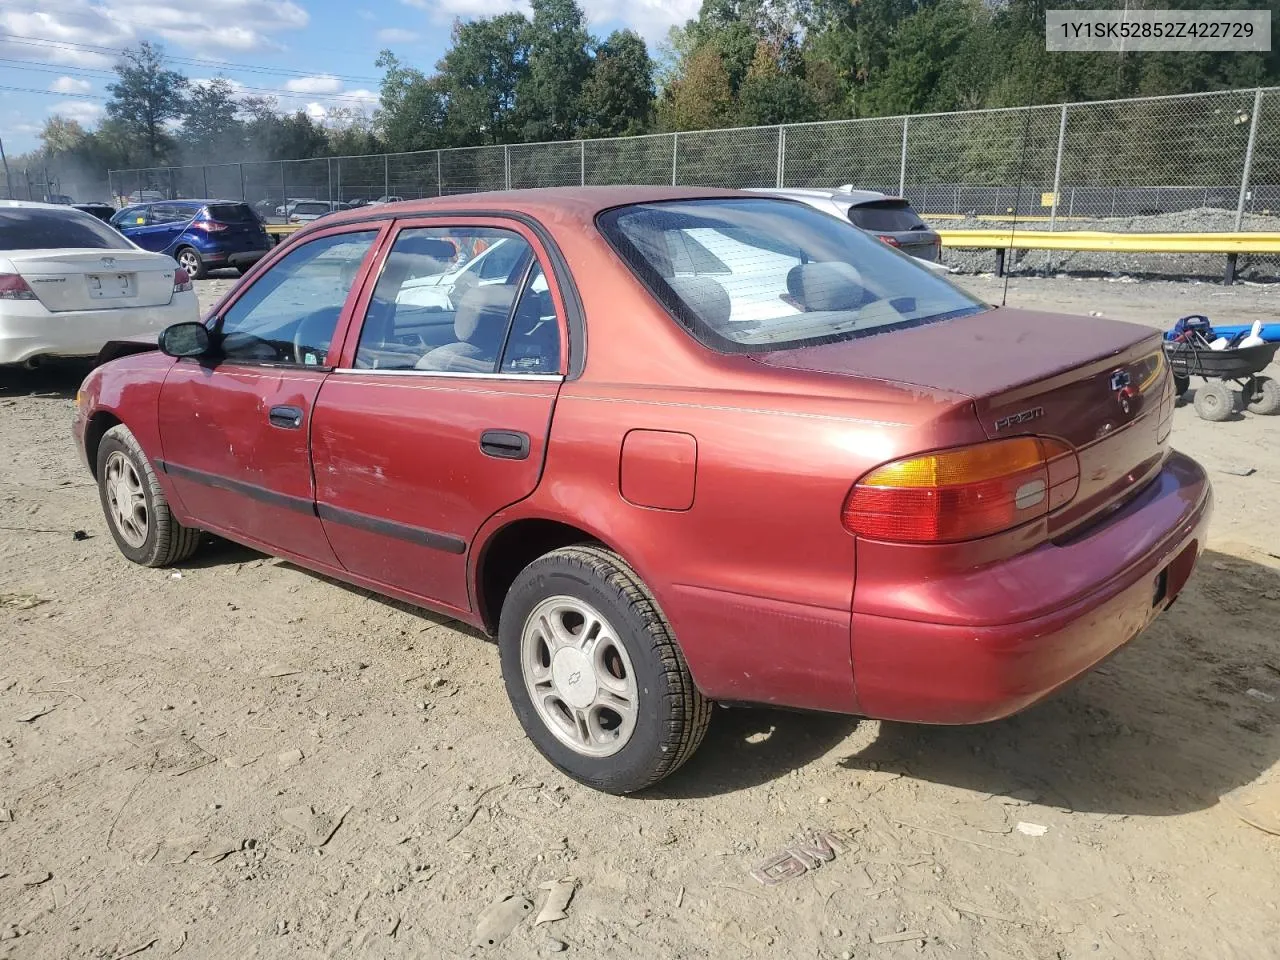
[185,340]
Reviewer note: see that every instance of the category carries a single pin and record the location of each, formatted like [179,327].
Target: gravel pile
[1202,266]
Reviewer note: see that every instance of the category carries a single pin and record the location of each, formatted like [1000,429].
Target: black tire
[672,715]
[165,541]
[1214,401]
[190,260]
[1266,396]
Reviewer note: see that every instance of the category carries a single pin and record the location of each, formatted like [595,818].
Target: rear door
[234,427]
[439,419]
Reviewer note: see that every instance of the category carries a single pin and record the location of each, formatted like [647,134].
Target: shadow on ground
[55,380]
[1165,727]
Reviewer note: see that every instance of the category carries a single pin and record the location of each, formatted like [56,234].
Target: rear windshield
[886,216]
[231,213]
[34,229]
[748,275]
[309,208]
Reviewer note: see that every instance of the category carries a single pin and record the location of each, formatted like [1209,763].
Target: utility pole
[8,180]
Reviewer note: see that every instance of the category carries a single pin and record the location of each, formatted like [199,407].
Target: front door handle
[287,418]
[505,444]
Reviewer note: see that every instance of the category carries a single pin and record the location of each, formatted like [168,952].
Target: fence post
[284,191]
[173,191]
[111,187]
[902,170]
[782,153]
[386,175]
[1057,168]
[244,194]
[1248,158]
[675,152]
[439,176]
[506,163]
[328,179]
[582,162]
[204,176]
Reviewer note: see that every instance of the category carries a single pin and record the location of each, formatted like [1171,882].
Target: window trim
[537,253]
[213,321]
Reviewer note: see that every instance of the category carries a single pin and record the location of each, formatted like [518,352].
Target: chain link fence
[1203,162]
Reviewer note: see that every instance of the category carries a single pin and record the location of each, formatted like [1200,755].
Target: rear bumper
[28,330]
[955,673]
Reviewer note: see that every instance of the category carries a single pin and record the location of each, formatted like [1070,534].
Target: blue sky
[56,55]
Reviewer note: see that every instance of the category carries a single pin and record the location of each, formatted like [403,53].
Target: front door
[440,414]
[234,427]
[165,222]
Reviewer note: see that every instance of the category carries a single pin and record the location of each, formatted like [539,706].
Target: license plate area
[110,286]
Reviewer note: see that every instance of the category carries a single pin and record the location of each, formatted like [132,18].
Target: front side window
[762,274]
[290,313]
[435,309]
[33,228]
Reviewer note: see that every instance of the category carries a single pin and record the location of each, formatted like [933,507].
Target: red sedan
[671,447]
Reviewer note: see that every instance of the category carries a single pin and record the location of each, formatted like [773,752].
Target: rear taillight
[13,287]
[181,281]
[964,493]
[208,226]
[891,241]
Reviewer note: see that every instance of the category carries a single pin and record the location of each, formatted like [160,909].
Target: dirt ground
[241,759]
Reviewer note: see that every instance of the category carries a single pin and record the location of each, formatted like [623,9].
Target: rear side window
[172,212]
[231,213]
[34,229]
[886,216]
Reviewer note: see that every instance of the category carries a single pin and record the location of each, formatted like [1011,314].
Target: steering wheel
[312,338]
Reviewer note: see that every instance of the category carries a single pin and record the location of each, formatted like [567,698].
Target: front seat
[480,325]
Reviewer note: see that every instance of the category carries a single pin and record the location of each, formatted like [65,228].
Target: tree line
[512,78]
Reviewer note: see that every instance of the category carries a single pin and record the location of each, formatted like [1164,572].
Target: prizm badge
[1024,416]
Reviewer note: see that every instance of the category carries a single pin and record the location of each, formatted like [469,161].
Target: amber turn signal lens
[964,493]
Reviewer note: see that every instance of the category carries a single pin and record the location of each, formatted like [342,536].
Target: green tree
[211,120]
[617,99]
[411,112]
[145,96]
[700,99]
[549,92]
[769,96]
[478,78]
[277,136]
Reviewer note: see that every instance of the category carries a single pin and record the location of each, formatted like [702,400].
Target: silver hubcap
[127,501]
[188,262]
[579,676]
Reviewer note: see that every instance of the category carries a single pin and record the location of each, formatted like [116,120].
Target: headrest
[832,285]
[708,299]
[482,313]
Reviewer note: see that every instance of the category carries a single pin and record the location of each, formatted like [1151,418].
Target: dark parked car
[664,470]
[103,211]
[202,235]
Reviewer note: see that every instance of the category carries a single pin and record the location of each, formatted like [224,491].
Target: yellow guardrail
[282,229]
[1098,240]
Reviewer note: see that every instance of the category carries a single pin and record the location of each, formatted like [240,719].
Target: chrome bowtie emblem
[574,678]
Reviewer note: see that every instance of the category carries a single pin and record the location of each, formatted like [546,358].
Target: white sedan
[69,284]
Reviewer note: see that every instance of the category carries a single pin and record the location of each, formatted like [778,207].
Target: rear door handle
[287,418]
[505,444]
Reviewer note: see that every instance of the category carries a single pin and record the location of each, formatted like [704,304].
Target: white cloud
[317,112]
[361,99]
[398,35]
[70,85]
[322,83]
[84,112]
[650,18]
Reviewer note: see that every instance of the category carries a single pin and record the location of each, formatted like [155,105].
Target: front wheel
[594,673]
[1214,401]
[189,259]
[136,509]
[1266,396]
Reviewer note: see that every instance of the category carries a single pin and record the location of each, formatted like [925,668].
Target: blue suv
[202,235]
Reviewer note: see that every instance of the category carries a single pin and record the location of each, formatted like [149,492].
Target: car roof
[560,205]
[825,193]
[36,204]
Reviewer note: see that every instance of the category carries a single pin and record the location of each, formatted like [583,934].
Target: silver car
[892,219]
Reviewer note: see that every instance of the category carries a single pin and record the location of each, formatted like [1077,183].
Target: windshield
[31,228]
[763,274]
[886,216]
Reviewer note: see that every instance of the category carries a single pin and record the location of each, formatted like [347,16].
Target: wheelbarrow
[1241,366]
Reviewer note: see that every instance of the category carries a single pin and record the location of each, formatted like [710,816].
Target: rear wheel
[136,509]
[189,259]
[1214,401]
[594,673]
[1266,396]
